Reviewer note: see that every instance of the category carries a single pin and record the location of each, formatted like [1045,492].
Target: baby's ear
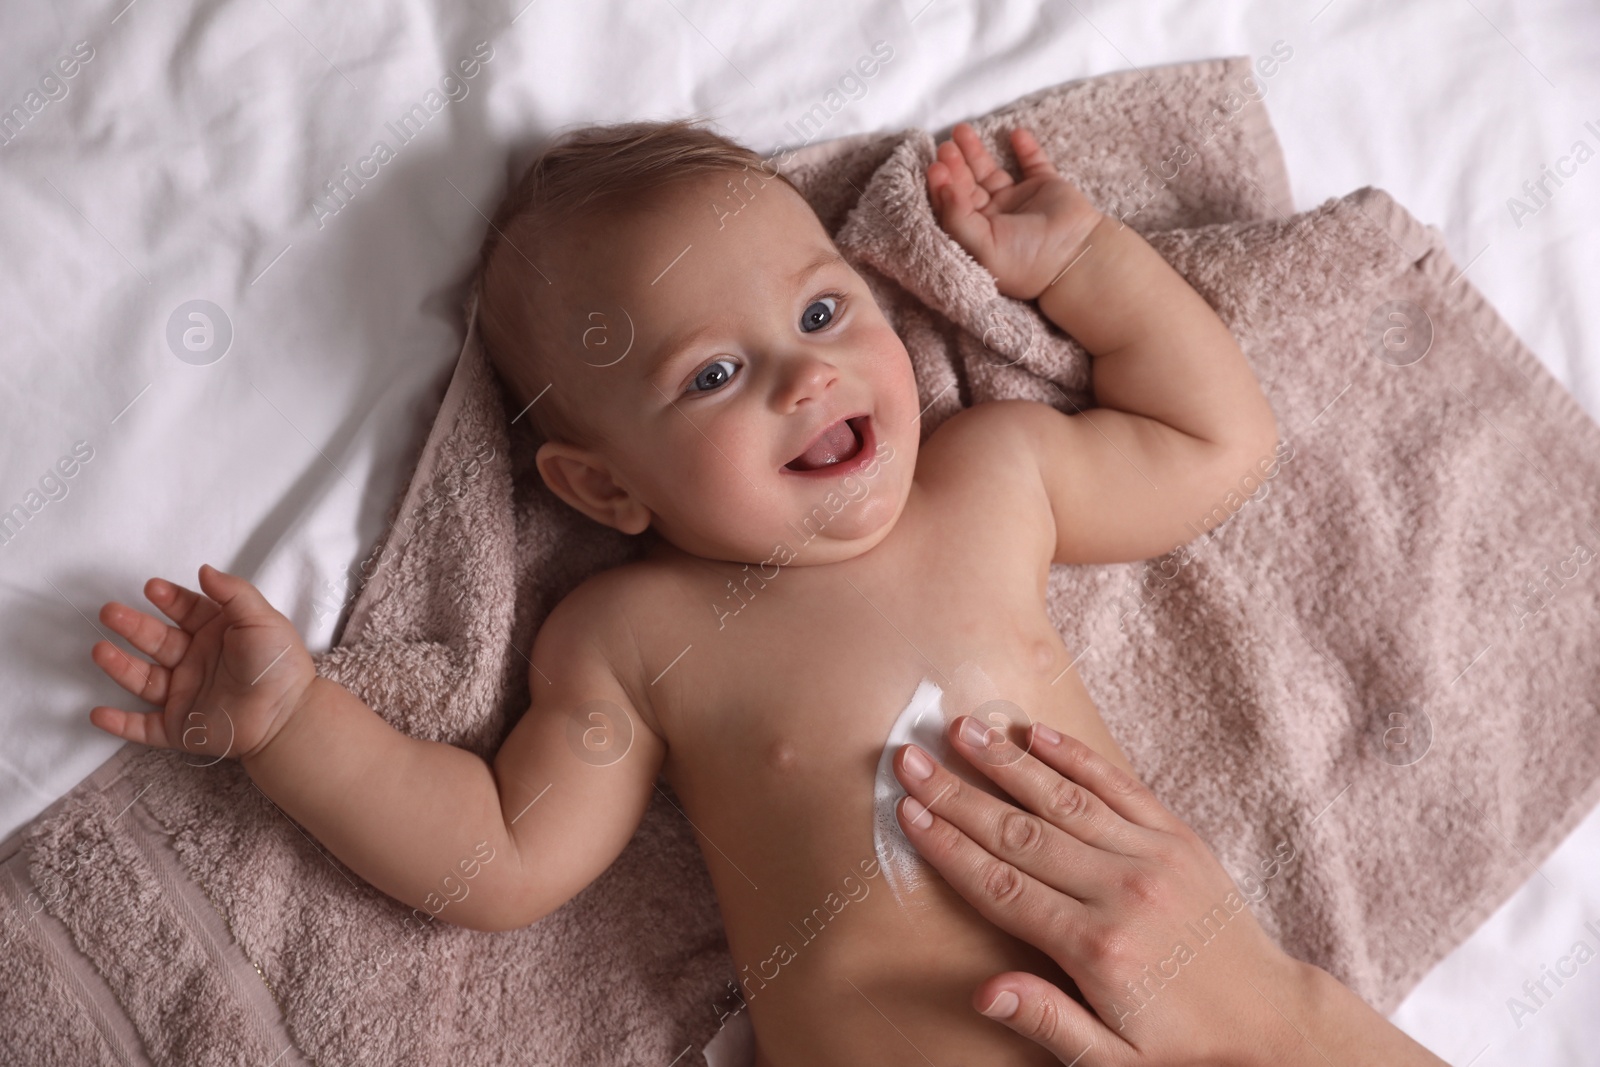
[583,479]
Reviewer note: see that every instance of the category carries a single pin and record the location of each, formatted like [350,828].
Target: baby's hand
[228,676]
[1025,233]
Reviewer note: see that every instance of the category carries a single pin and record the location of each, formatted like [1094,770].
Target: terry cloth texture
[1416,576]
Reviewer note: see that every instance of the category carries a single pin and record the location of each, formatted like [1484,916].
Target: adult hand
[1099,875]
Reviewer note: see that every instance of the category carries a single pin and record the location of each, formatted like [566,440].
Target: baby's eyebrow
[662,357]
[665,354]
[826,259]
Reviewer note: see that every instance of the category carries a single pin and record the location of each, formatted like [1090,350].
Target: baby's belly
[840,958]
[868,988]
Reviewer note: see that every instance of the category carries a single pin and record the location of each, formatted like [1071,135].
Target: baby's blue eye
[715,375]
[818,314]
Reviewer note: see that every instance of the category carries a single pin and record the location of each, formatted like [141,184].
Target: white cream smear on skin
[923,723]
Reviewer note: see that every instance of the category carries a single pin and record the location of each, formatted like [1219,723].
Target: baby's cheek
[715,475]
[899,378]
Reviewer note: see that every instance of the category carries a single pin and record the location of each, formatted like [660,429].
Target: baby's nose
[806,376]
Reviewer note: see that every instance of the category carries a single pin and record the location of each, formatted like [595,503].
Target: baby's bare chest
[777,713]
[789,680]
[777,691]
[835,660]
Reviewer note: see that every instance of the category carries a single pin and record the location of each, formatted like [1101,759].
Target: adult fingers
[162,643]
[1023,839]
[1121,791]
[1016,902]
[1043,790]
[1044,1014]
[1050,755]
[147,681]
[183,606]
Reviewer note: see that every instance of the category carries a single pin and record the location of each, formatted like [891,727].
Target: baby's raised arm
[1181,419]
[489,847]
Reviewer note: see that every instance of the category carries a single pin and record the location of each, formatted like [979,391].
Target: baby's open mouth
[837,444]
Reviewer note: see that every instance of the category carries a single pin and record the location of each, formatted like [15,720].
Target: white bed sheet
[182,158]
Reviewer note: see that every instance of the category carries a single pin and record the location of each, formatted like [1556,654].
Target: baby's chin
[839,520]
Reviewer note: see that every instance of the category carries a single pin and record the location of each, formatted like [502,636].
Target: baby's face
[751,392]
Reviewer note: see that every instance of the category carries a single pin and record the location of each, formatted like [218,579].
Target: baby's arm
[1182,418]
[486,847]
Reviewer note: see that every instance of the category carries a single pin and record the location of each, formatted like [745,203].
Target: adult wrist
[1298,1001]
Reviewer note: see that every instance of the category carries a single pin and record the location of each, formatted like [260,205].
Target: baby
[701,363]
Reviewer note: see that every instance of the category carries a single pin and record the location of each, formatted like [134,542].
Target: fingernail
[918,765]
[916,814]
[1003,1006]
[1041,732]
[972,733]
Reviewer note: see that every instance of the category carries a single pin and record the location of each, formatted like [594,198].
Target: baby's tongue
[837,444]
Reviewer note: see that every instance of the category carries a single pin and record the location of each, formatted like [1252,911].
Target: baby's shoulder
[982,444]
[608,605]
[606,622]
[981,471]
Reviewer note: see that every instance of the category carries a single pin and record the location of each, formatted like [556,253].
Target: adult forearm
[1324,1021]
[420,820]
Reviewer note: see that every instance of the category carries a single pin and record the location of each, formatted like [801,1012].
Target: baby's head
[690,342]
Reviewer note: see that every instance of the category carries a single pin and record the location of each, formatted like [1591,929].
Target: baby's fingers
[954,206]
[1032,158]
[147,681]
[144,727]
[235,596]
[162,643]
[950,168]
[183,606]
[985,171]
